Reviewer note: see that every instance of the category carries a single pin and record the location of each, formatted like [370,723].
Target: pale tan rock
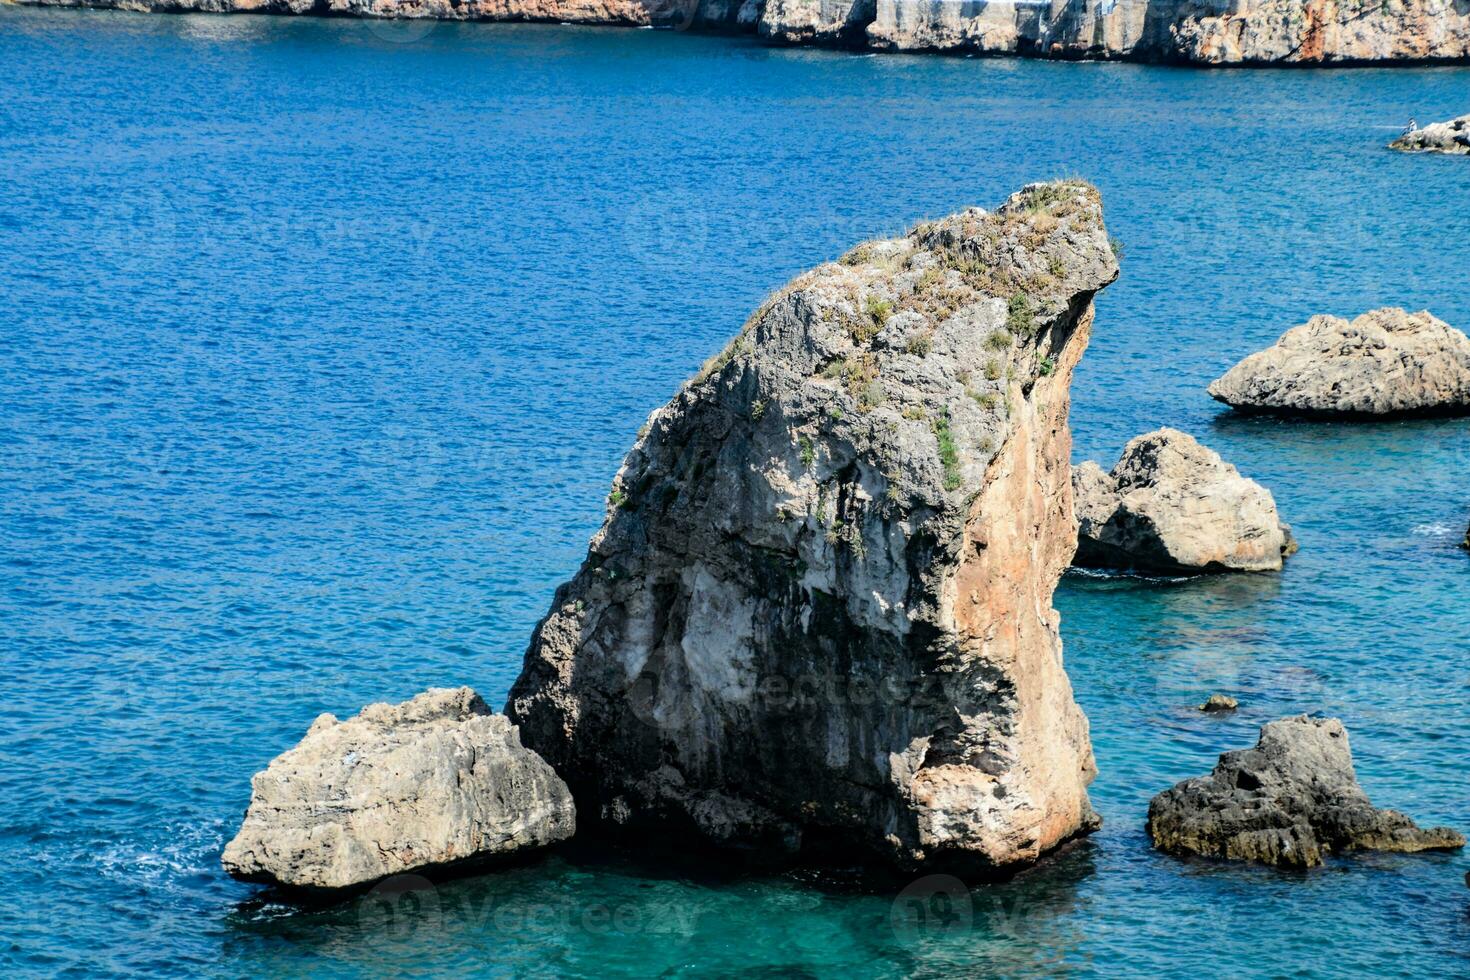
[434,781]
[819,611]
[1451,137]
[1172,505]
[1385,362]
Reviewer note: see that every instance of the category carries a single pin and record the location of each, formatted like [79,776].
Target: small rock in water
[1290,801]
[1444,137]
[433,781]
[1219,702]
[1386,362]
[1172,505]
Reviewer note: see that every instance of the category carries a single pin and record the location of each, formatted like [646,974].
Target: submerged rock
[1290,801]
[1385,362]
[819,610]
[1219,702]
[1444,137]
[1172,505]
[1307,32]
[434,781]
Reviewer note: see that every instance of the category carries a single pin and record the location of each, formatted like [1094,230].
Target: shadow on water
[632,901]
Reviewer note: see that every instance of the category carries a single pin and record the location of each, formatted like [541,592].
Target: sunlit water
[321,341]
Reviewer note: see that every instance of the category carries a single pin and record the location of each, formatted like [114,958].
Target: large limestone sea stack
[819,610]
[1385,362]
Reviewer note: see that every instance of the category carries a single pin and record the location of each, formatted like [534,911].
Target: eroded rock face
[1172,505]
[1385,362]
[1191,31]
[1444,137]
[731,14]
[820,607]
[434,781]
[1290,801]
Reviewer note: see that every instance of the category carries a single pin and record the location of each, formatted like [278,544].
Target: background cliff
[1221,32]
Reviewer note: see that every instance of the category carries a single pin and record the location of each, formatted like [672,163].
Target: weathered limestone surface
[819,610]
[436,780]
[1196,31]
[1290,801]
[1209,32]
[1173,505]
[1444,137]
[1385,362]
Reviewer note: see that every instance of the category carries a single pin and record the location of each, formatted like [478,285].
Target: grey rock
[1445,137]
[1172,505]
[1385,362]
[434,781]
[1218,703]
[1290,801]
[819,610]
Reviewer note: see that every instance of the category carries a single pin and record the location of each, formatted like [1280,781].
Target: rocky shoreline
[1248,32]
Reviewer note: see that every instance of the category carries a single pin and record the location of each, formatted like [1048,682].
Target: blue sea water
[321,342]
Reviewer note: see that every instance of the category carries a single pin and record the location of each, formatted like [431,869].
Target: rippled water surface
[321,341]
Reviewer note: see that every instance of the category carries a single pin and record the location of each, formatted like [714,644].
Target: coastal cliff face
[1198,31]
[819,610]
[1208,32]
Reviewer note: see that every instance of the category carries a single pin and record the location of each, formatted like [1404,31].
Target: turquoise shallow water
[322,341]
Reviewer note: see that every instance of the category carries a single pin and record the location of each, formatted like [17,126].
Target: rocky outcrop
[1290,801]
[1219,703]
[819,610]
[1206,32]
[431,782]
[1173,506]
[1386,362]
[1445,137]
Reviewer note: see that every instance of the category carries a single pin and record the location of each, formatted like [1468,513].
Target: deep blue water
[321,341]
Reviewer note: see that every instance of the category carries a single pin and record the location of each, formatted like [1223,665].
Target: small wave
[1120,575]
[1438,529]
[184,849]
